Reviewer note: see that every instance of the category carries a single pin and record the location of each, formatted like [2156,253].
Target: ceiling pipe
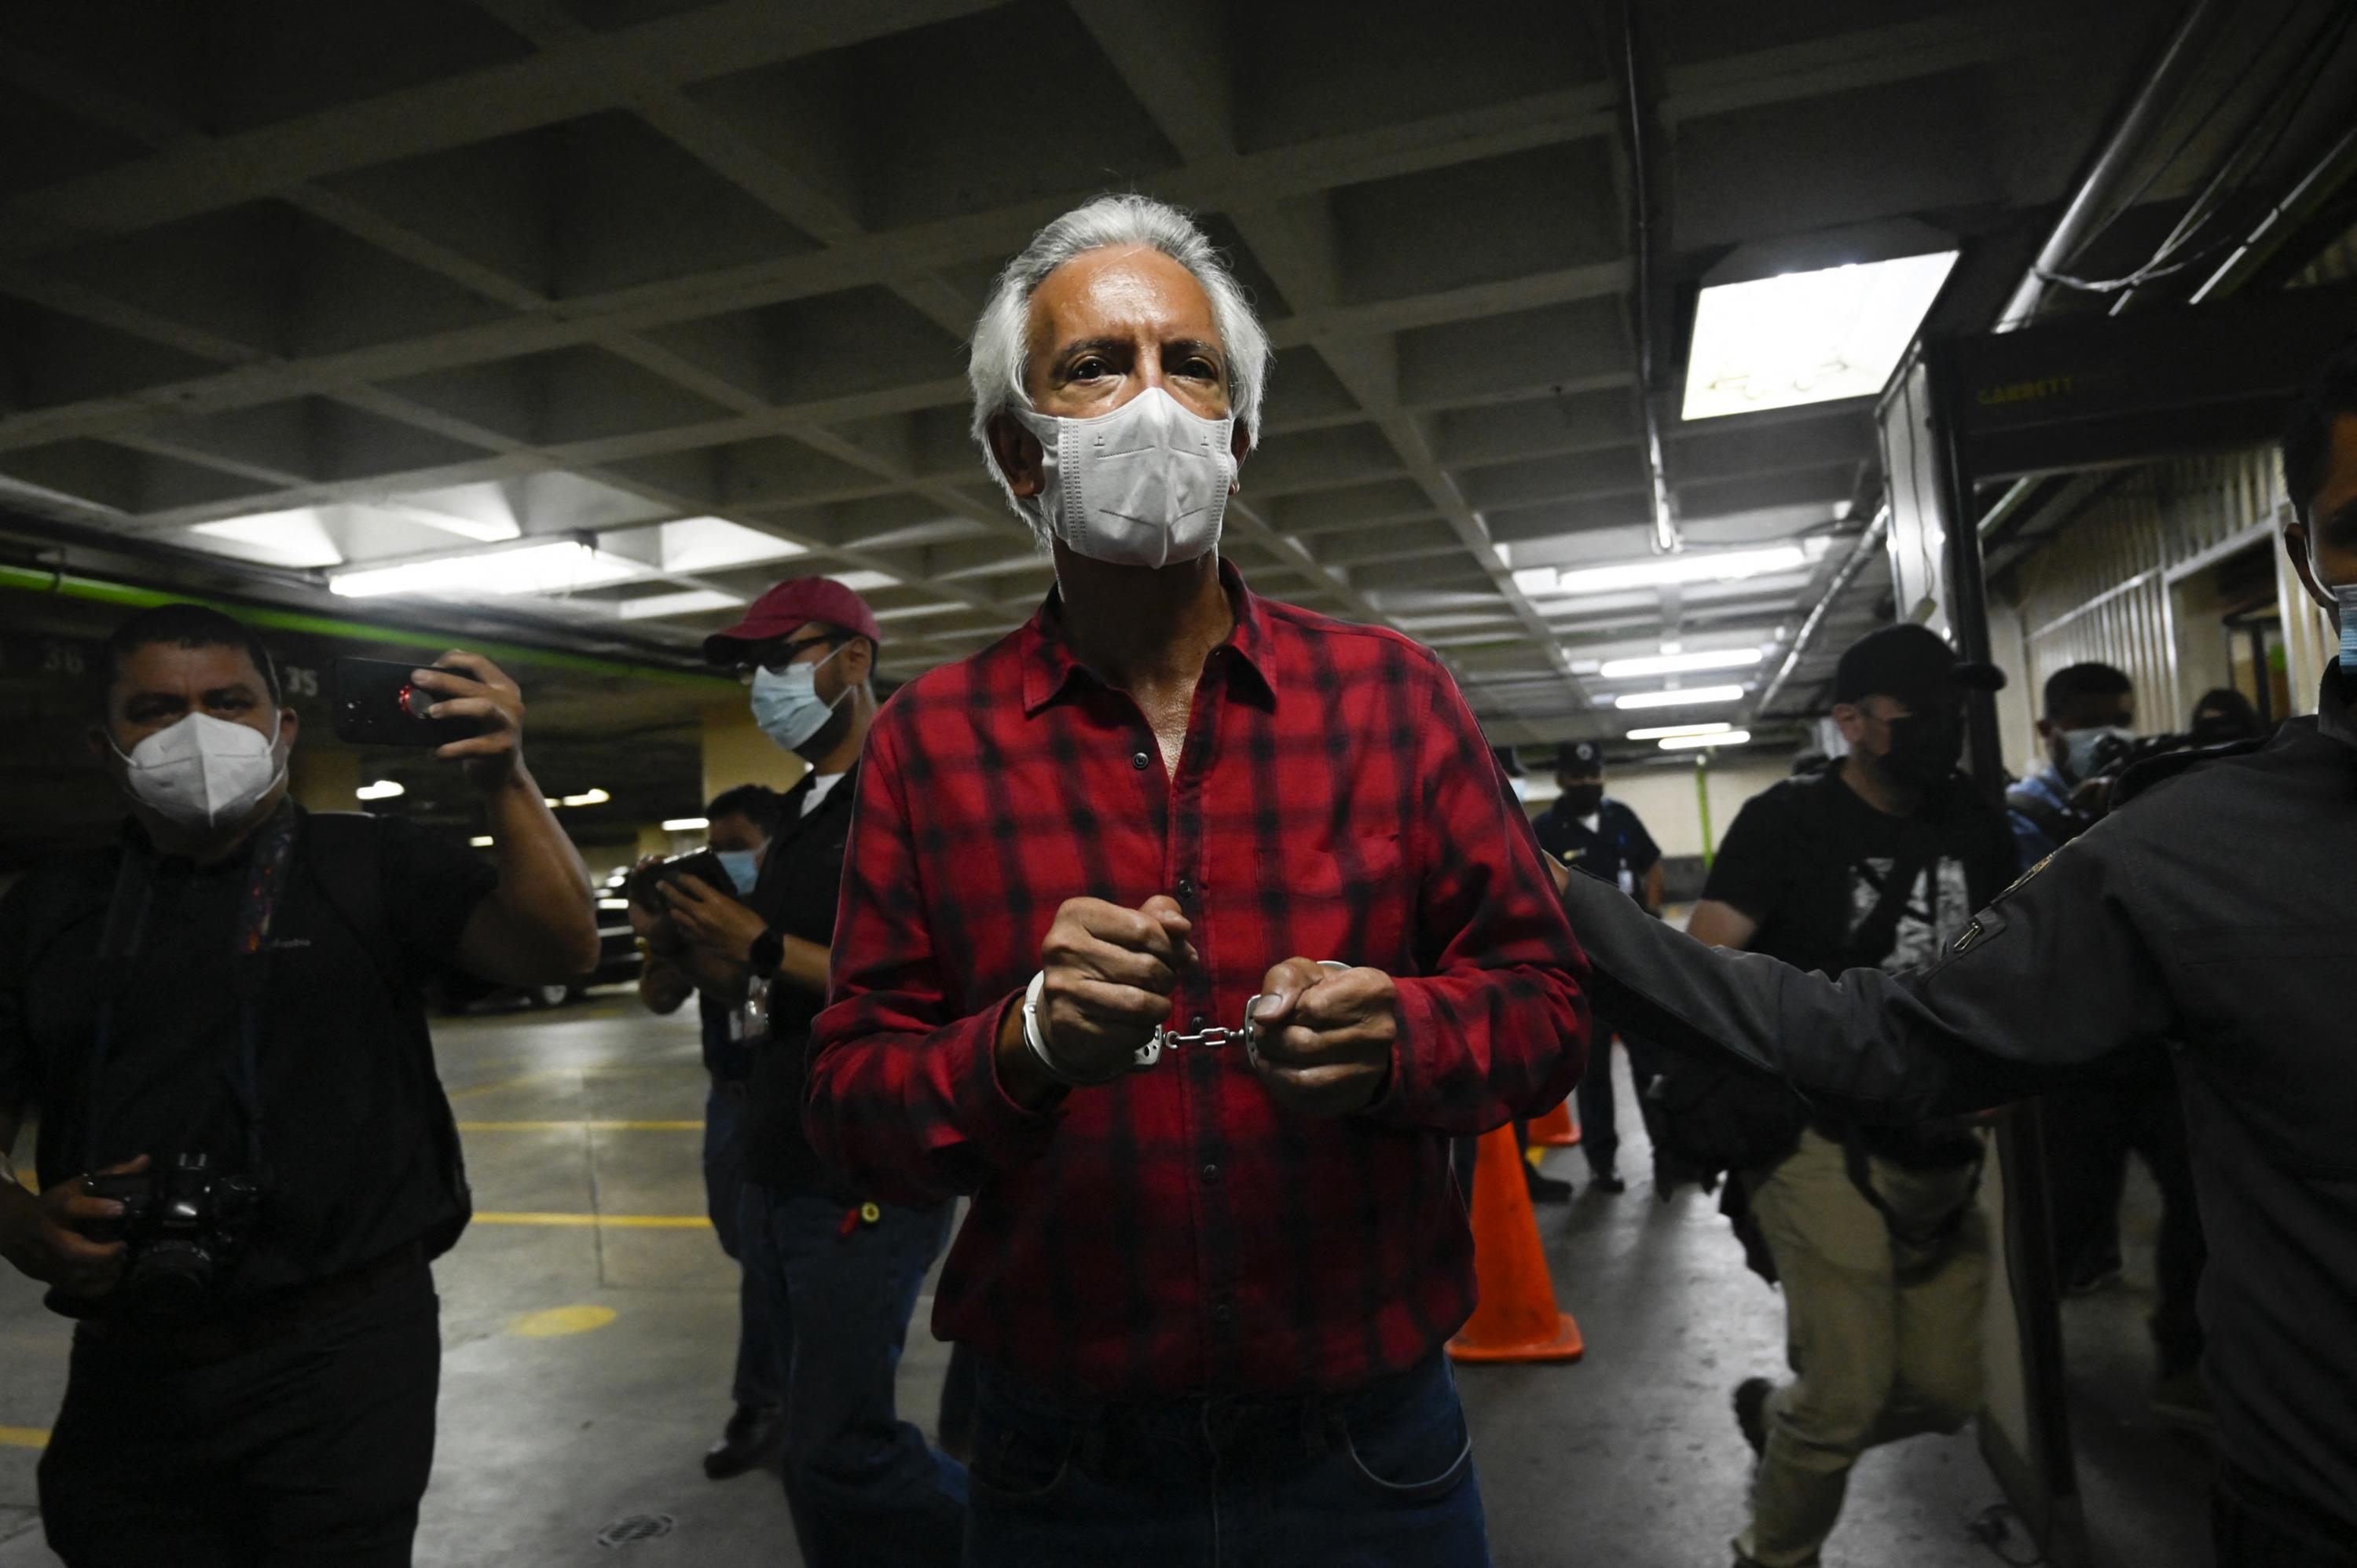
[1867,543]
[2182,58]
[1665,538]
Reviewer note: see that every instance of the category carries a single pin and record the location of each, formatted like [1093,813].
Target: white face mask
[202,772]
[788,708]
[1143,485]
[2344,596]
[2079,746]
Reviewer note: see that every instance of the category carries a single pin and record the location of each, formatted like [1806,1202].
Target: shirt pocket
[1351,900]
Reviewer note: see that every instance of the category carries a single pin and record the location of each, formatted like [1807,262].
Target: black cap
[1912,663]
[1580,758]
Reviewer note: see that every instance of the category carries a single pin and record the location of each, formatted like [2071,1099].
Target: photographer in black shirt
[226,1009]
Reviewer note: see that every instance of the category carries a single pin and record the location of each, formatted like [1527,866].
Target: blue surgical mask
[2345,596]
[2079,746]
[742,865]
[787,706]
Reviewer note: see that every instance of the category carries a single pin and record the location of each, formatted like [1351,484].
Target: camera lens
[170,1279]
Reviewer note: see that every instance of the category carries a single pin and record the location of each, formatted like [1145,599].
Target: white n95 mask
[202,772]
[1145,484]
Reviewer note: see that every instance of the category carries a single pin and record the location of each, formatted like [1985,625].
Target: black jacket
[2213,910]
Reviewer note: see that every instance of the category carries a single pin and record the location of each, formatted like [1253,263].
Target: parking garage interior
[558,330]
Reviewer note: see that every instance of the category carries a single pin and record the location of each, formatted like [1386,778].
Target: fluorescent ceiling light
[1680,663]
[696,601]
[295,539]
[1663,571]
[865,582]
[586,798]
[480,841]
[712,543]
[685,825]
[1685,697]
[383,789]
[1807,336]
[536,569]
[905,612]
[1664,732]
[1688,742]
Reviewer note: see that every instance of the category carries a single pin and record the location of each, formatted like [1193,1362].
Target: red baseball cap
[793,604]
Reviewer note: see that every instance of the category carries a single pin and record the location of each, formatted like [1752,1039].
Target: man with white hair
[1183,928]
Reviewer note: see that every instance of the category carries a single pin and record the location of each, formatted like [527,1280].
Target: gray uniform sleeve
[2050,975]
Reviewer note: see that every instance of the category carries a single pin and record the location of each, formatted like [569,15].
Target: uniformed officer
[2207,910]
[1591,833]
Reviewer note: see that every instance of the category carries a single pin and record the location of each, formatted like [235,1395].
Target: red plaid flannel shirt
[1177,1233]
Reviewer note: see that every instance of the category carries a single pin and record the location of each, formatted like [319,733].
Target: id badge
[753,1018]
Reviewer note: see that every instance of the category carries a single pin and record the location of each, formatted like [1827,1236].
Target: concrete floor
[1629,1456]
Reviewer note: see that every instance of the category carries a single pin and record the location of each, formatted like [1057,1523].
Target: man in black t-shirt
[242,982]
[1878,861]
[1593,834]
[839,1270]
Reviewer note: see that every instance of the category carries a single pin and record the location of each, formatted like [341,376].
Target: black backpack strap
[1876,934]
[339,850]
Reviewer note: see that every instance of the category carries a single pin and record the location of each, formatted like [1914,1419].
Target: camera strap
[125,933]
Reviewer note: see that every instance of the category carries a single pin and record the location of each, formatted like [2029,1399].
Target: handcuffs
[1209,1037]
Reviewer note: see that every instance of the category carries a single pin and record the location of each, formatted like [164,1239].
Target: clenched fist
[1322,1039]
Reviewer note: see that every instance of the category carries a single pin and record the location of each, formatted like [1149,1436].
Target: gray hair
[1002,337]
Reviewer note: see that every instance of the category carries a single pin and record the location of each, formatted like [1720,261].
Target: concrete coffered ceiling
[322,287]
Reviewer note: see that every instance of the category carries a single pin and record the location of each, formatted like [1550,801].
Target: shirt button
[1199,1022]
[1221,1312]
[1186,887]
[1140,761]
[1210,1171]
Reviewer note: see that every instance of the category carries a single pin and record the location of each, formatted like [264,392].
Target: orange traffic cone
[1556,1130]
[1515,1318]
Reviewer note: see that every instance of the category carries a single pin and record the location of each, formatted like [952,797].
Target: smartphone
[646,887]
[378,703]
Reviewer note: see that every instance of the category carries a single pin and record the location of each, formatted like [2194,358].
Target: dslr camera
[646,884]
[182,1222]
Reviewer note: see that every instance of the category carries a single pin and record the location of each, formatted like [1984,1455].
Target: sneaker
[1751,1413]
[746,1443]
[2100,1275]
[1548,1189]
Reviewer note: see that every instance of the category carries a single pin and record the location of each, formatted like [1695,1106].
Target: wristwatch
[767,953]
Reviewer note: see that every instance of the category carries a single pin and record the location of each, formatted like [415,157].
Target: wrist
[767,952]
[504,779]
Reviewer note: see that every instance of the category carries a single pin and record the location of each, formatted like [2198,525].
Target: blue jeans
[754,1385]
[1379,1478]
[864,1487]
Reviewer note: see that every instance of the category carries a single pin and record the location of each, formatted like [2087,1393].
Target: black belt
[253,1325]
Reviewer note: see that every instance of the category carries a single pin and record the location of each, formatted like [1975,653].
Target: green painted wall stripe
[99,590]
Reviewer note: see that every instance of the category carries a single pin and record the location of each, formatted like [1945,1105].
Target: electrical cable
[2274,125]
[2225,95]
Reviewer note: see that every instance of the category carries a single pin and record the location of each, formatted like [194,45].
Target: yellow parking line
[642,1221]
[24,1437]
[590,1126]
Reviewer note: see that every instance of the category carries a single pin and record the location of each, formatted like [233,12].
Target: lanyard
[125,933]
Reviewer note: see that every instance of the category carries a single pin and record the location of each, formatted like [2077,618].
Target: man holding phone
[230,1000]
[838,1269]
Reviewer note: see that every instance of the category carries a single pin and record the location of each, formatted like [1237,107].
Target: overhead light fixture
[1682,697]
[1664,732]
[480,841]
[1690,741]
[685,825]
[383,789]
[695,601]
[1807,336]
[558,567]
[1666,571]
[1680,663]
[586,798]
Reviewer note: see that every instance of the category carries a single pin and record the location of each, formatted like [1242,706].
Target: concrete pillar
[324,780]
[737,752]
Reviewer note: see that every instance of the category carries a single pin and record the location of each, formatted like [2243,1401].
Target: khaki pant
[1885,1338]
